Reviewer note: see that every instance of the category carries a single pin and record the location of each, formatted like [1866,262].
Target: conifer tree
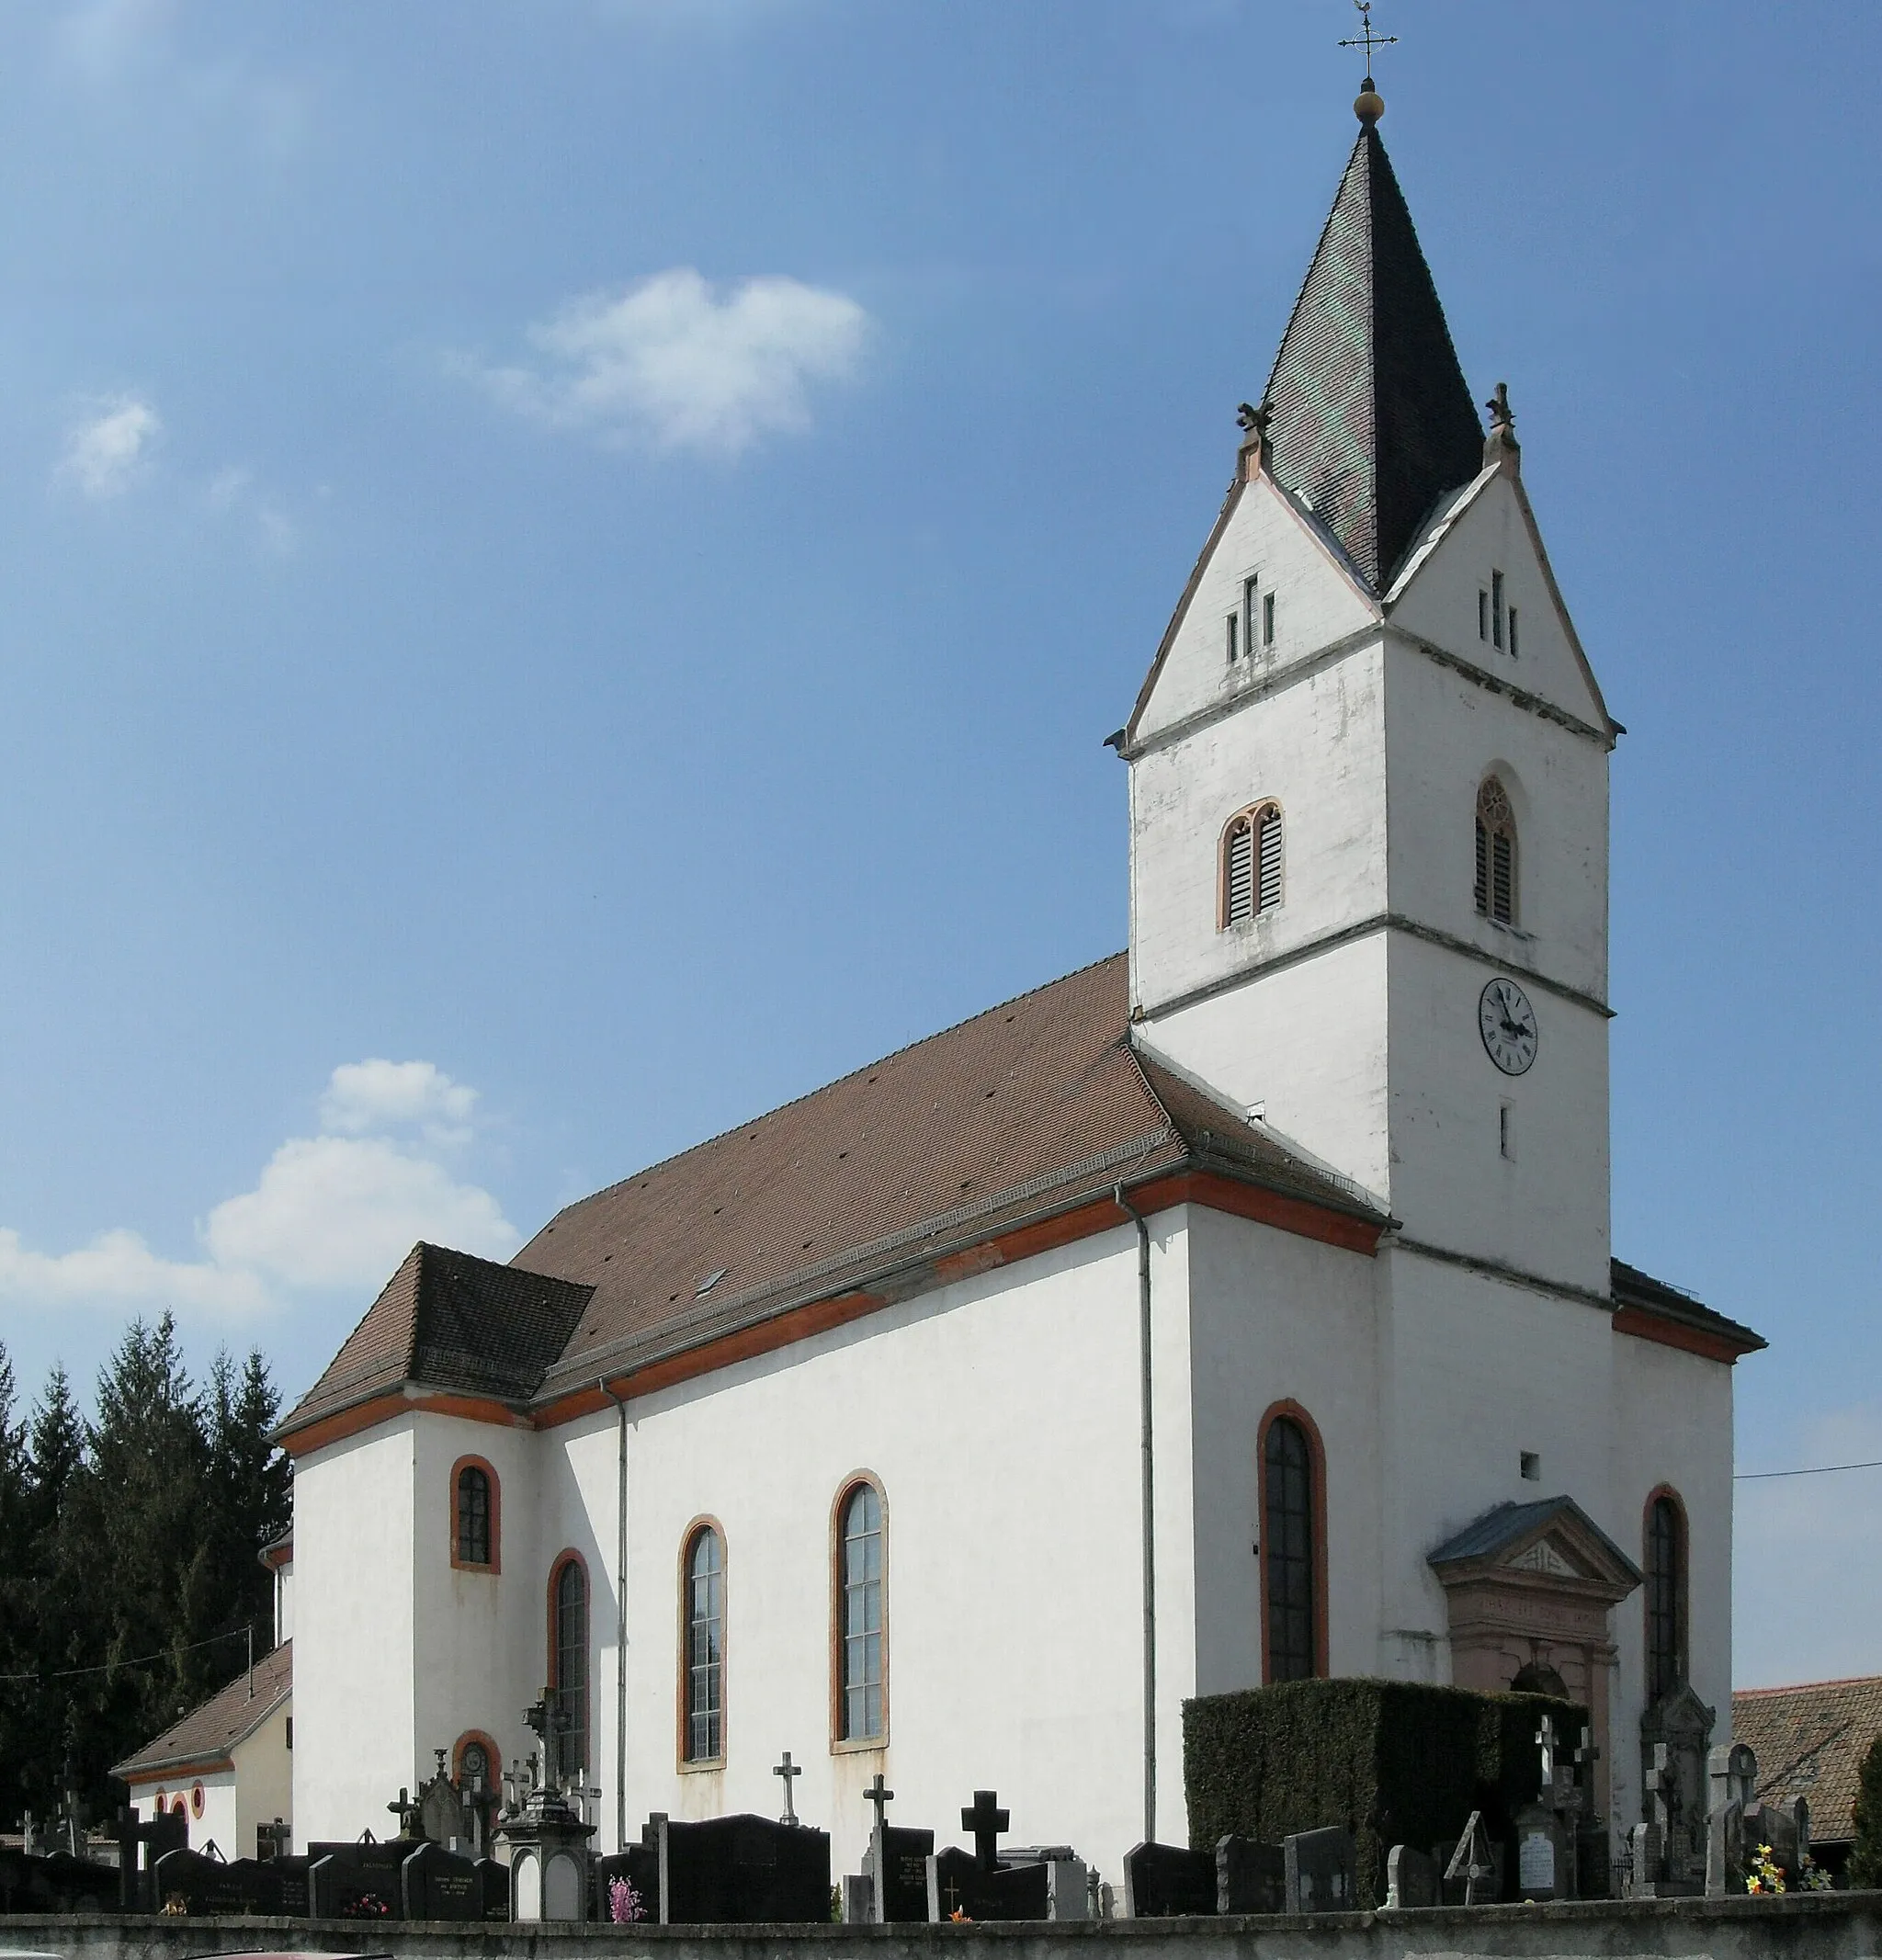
[15,1591]
[1865,1855]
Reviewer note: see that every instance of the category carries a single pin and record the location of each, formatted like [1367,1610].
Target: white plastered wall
[263,1781]
[1001,1416]
[1279,1318]
[357,1667]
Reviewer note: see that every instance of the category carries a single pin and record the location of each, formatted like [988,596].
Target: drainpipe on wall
[1150,1519]
[620,1594]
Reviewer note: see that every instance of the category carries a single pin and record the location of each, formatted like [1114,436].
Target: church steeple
[1369,415]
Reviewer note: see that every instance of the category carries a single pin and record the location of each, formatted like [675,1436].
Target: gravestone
[1321,1871]
[356,1881]
[436,1884]
[742,1871]
[1411,1879]
[23,1884]
[77,1885]
[140,1845]
[1068,1889]
[294,1887]
[958,1882]
[859,1899]
[896,1865]
[1675,1743]
[247,1888]
[1731,1779]
[1169,1881]
[1250,1877]
[1641,1877]
[638,1864]
[1542,1866]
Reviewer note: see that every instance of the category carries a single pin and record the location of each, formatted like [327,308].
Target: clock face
[1507,1024]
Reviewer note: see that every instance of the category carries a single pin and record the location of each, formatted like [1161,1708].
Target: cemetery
[1333,1817]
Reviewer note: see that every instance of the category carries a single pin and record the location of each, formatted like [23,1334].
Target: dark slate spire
[1370,417]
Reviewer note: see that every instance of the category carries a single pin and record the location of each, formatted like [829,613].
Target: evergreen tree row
[129,1563]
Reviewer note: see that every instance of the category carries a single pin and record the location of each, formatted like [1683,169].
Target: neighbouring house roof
[1035,1108]
[1811,1741]
[1673,1312]
[206,1735]
[1371,419]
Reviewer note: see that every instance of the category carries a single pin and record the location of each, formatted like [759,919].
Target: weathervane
[1366,39]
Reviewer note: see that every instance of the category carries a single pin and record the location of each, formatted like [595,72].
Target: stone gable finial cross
[1366,39]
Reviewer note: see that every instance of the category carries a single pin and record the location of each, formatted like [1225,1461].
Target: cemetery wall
[355,1663]
[1831,1926]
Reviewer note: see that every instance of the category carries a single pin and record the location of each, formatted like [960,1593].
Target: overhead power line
[111,1667]
[1815,1469]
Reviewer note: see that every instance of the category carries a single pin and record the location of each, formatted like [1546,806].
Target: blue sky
[564,567]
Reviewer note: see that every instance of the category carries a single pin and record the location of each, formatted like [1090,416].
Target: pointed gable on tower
[1371,418]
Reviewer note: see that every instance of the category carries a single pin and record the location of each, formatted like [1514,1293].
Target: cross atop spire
[1366,39]
[1370,106]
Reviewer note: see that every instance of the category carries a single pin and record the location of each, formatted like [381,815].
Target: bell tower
[1368,784]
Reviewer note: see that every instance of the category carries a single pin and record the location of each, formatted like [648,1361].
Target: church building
[1237,1310]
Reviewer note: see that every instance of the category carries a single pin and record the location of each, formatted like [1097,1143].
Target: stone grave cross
[986,1820]
[404,1809]
[1544,1738]
[877,1794]
[789,1771]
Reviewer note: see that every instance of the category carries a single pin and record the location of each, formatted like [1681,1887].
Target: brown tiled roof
[1026,1110]
[1635,1288]
[231,1715]
[1811,1741]
[450,1320]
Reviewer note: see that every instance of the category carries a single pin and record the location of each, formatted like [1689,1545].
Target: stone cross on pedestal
[986,1820]
[789,1771]
[879,1795]
[1545,1740]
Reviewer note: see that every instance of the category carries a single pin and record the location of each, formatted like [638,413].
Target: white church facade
[1238,1309]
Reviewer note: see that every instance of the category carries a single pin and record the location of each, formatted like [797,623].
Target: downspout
[1149,1517]
[620,1594]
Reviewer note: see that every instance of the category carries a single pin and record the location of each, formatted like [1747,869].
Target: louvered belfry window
[1496,853]
[1251,864]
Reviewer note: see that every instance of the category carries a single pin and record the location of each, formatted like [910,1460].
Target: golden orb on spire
[1368,105]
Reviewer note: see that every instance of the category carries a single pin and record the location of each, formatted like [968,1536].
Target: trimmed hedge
[1395,1762]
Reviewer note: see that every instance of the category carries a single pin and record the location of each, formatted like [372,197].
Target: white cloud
[675,362]
[118,1266]
[105,452]
[234,489]
[339,1210]
[342,1211]
[368,1095]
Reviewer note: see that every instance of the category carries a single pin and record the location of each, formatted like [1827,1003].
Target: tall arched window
[475,1496]
[1250,869]
[1666,1595]
[704,1683]
[1496,853]
[568,1655]
[861,1705]
[1293,1565]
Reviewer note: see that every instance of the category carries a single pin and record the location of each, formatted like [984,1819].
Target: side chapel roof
[1028,1110]
[204,1736]
[1811,1741]
[1371,418]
